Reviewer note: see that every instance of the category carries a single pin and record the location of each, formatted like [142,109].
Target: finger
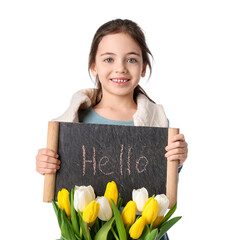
[175,151]
[48,165]
[178,137]
[47,152]
[47,159]
[177,157]
[177,144]
[45,170]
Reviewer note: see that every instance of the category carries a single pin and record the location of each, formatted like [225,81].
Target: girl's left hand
[177,149]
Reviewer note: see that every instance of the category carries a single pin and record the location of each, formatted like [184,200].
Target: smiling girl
[118,60]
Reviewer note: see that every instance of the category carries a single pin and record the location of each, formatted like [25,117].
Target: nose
[121,67]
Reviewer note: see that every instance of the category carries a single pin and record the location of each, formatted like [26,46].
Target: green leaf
[110,236]
[55,207]
[84,228]
[127,230]
[114,234]
[58,212]
[74,216]
[119,202]
[95,228]
[77,237]
[104,230]
[167,225]
[96,225]
[66,227]
[152,235]
[169,214]
[119,222]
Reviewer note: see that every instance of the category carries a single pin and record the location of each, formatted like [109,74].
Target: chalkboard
[95,154]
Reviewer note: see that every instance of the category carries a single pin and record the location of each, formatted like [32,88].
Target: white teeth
[119,80]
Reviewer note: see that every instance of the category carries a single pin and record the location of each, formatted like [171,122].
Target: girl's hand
[46,161]
[177,149]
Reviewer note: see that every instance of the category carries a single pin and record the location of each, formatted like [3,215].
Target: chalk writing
[121,165]
[105,165]
[90,161]
[138,162]
[101,164]
[128,159]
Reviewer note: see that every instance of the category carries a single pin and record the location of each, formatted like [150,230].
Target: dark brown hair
[117,26]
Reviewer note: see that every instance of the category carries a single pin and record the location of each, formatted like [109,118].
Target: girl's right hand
[47,161]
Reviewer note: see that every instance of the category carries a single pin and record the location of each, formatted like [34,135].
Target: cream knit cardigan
[147,114]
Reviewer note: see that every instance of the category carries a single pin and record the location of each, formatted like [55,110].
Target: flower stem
[151,226]
[114,233]
[81,232]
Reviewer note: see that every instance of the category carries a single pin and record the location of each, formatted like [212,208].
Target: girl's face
[118,64]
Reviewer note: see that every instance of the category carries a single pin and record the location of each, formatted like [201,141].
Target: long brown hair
[117,26]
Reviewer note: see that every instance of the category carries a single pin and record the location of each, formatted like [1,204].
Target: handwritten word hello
[140,164]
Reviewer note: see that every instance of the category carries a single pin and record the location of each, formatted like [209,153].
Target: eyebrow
[130,53]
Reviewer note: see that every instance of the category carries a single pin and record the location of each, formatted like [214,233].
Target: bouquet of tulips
[81,216]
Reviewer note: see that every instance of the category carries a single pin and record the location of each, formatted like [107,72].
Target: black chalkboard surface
[95,154]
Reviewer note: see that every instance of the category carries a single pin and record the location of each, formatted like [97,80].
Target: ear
[93,70]
[143,70]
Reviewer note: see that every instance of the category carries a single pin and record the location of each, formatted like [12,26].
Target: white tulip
[140,196]
[163,204]
[83,196]
[105,211]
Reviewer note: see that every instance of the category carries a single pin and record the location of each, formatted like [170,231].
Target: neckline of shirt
[109,119]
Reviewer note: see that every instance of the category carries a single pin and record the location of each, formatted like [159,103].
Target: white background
[44,48]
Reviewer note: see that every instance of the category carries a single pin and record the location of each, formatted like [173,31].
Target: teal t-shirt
[90,116]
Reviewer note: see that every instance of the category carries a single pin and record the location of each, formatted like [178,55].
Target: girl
[118,59]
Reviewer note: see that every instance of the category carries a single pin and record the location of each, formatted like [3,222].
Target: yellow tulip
[111,192]
[157,221]
[137,228]
[63,201]
[91,212]
[150,210]
[129,213]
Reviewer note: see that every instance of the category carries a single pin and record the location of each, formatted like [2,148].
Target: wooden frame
[52,144]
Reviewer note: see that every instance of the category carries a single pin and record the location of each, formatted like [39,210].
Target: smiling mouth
[120,80]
